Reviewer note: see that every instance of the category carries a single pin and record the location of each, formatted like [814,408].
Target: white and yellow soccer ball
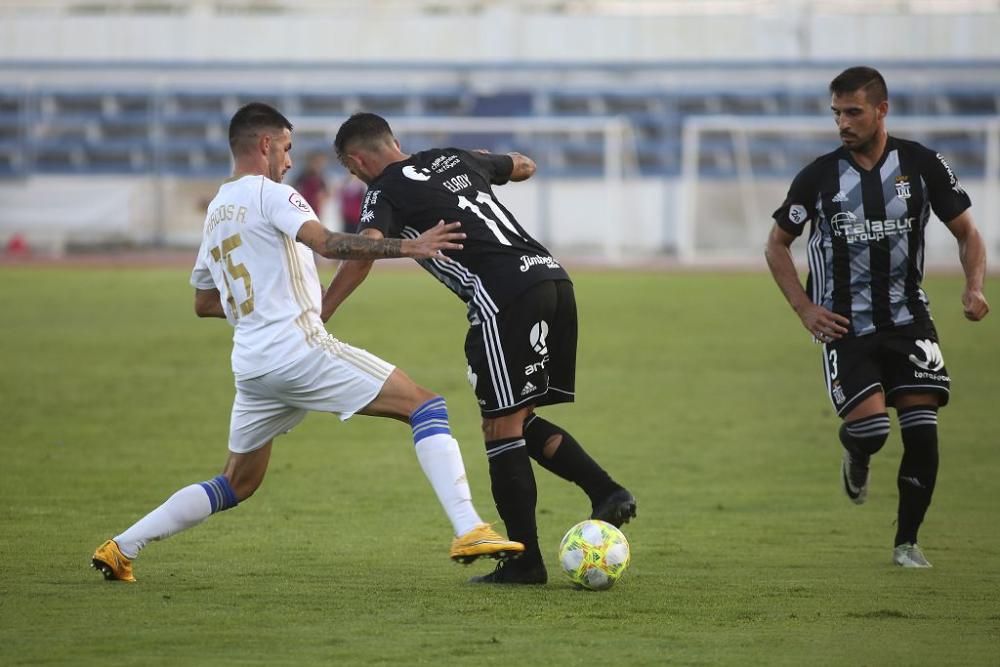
[594,554]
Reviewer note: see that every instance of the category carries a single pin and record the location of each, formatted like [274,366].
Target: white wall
[504,32]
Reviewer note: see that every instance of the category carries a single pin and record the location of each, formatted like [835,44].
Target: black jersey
[498,261]
[866,239]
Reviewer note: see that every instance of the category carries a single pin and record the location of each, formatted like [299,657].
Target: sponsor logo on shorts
[838,394]
[933,360]
[471,375]
[920,375]
[528,388]
[539,332]
[531,369]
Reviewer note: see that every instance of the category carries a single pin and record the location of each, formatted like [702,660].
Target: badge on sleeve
[797,214]
[296,200]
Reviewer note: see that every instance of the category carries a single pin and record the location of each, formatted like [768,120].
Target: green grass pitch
[700,392]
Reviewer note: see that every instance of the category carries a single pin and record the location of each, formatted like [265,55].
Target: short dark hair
[867,79]
[366,128]
[251,118]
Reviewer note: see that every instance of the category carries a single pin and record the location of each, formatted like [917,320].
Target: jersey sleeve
[947,196]
[495,168]
[284,207]
[377,212]
[201,277]
[798,207]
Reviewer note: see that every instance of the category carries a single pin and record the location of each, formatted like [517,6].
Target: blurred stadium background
[665,130]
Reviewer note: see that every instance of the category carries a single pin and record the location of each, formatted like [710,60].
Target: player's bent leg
[245,471]
[558,451]
[512,482]
[863,433]
[185,509]
[917,473]
[441,460]
[398,399]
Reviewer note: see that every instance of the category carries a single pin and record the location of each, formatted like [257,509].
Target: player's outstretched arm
[208,303]
[972,254]
[335,245]
[350,274]
[824,324]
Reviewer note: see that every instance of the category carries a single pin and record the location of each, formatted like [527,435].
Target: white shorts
[336,378]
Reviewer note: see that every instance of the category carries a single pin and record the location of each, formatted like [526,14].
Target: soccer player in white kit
[255,268]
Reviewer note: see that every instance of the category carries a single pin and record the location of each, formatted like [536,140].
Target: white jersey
[266,279]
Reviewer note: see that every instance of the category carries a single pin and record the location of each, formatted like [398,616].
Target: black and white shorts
[526,355]
[904,359]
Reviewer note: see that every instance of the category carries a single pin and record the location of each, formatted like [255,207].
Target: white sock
[186,508]
[441,460]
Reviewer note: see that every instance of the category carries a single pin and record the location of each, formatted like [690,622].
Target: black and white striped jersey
[866,238]
[499,259]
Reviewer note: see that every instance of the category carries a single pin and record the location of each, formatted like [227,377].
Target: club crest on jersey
[903,187]
[299,202]
[415,174]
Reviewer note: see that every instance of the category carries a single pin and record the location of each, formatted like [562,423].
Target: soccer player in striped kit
[256,269]
[521,307]
[867,205]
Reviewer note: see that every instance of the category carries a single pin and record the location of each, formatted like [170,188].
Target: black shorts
[904,359]
[526,355]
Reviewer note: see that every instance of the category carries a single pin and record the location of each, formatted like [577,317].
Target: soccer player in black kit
[867,204]
[521,344]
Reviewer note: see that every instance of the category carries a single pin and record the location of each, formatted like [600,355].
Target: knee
[867,435]
[507,426]
[421,395]
[543,437]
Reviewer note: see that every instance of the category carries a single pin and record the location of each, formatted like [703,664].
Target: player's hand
[974,305]
[825,325]
[442,236]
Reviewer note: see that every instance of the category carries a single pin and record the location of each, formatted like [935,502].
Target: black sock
[864,437]
[917,470]
[515,494]
[569,461]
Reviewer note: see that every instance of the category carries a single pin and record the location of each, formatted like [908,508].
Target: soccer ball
[594,554]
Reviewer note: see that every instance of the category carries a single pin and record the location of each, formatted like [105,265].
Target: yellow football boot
[483,541]
[112,563]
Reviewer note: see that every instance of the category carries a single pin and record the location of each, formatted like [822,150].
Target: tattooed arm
[335,245]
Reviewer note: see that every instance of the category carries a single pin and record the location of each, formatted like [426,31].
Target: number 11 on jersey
[485,198]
